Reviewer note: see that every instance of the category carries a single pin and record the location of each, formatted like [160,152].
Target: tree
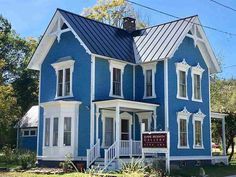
[223,99]
[112,12]
[18,86]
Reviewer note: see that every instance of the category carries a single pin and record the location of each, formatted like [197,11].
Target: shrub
[27,160]
[9,154]
[135,166]
[68,165]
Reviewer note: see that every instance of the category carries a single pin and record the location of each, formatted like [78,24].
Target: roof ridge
[59,9]
[167,22]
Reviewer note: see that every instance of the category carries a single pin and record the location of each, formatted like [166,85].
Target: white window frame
[182,66]
[184,114]
[197,70]
[121,66]
[30,135]
[199,116]
[145,67]
[145,115]
[63,65]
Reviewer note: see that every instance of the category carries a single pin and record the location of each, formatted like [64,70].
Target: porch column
[223,136]
[154,116]
[97,125]
[118,130]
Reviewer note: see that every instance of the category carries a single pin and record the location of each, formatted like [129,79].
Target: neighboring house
[98,83]
[27,129]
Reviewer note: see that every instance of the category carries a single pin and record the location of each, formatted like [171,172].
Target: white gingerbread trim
[196,70]
[145,67]
[184,114]
[145,115]
[118,65]
[199,116]
[182,66]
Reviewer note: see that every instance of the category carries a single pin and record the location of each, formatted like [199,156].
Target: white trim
[199,116]
[145,115]
[47,41]
[217,115]
[166,94]
[196,70]
[182,66]
[172,158]
[28,129]
[69,64]
[92,96]
[145,67]
[184,114]
[39,118]
[134,80]
[118,65]
[126,116]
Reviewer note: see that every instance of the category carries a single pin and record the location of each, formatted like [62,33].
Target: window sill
[196,100]
[149,97]
[183,147]
[182,98]
[116,96]
[62,97]
[198,147]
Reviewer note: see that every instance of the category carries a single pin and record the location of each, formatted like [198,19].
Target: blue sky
[31,17]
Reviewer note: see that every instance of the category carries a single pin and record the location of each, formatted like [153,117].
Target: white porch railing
[110,154]
[93,153]
[130,148]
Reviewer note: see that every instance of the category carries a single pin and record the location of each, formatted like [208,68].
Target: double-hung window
[47,132]
[116,85]
[149,71]
[64,69]
[116,82]
[55,131]
[67,131]
[196,82]
[198,130]
[182,73]
[182,120]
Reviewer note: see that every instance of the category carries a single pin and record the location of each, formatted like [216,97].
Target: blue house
[99,84]
[27,129]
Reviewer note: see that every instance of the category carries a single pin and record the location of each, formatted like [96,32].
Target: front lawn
[211,171]
[25,174]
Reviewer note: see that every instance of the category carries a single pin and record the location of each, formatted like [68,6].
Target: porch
[118,129]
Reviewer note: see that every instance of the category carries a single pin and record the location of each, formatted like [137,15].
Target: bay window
[67,131]
[47,132]
[55,131]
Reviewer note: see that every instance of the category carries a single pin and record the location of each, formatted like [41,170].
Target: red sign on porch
[154,140]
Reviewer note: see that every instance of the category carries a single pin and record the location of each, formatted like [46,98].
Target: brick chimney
[129,24]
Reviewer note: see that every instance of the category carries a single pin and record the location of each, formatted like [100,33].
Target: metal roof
[30,119]
[100,38]
[157,42]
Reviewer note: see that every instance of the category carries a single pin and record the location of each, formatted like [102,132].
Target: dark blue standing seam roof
[100,38]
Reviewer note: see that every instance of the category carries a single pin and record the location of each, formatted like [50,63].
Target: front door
[124,129]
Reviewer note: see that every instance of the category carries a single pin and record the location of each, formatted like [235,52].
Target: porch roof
[217,115]
[126,104]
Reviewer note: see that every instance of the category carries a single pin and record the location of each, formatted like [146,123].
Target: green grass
[25,174]
[11,166]
[211,171]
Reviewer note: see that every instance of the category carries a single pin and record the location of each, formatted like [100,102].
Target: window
[55,131]
[116,82]
[182,84]
[182,120]
[109,132]
[67,131]
[196,83]
[198,133]
[183,132]
[29,132]
[32,132]
[197,129]
[182,73]
[148,83]
[26,133]
[47,132]
[145,121]
[64,70]
[197,87]
[149,71]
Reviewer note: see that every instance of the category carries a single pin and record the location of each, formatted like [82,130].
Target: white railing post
[130,147]
[88,158]
[105,156]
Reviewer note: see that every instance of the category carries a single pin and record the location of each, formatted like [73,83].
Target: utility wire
[225,6]
[176,17]
[231,66]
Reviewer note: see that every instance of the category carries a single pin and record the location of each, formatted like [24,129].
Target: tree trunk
[232,151]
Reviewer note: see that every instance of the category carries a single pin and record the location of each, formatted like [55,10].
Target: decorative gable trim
[52,32]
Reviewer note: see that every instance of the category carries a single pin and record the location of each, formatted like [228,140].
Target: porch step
[99,165]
